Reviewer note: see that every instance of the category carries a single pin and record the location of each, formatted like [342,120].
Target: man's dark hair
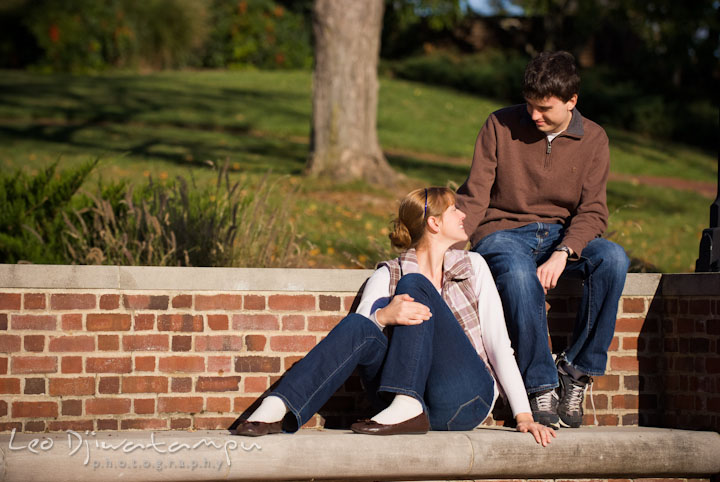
[551,74]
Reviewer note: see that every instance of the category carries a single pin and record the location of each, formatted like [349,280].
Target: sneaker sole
[565,425]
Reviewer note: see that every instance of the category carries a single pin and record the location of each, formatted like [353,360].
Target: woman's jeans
[433,362]
[513,256]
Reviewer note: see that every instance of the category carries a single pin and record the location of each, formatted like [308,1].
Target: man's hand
[403,310]
[549,272]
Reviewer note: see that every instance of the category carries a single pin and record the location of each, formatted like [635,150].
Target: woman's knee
[413,283]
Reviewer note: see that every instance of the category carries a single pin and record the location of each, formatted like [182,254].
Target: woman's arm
[376,304]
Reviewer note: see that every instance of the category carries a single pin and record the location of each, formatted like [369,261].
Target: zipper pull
[549,148]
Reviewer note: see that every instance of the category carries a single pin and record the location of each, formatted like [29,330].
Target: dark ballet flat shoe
[256,429]
[419,425]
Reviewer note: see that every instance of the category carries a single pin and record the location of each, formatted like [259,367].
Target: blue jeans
[513,256]
[433,362]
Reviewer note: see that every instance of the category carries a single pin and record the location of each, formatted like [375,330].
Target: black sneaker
[572,395]
[544,407]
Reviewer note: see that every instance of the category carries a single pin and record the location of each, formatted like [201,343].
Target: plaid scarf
[457,291]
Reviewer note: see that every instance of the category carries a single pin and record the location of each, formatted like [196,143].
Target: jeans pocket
[469,415]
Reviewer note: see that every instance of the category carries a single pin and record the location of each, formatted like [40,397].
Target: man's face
[551,114]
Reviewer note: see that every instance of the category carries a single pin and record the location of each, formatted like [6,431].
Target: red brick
[217,384]
[256,384]
[218,322]
[107,424]
[240,404]
[257,364]
[3,321]
[633,325]
[181,343]
[108,342]
[255,322]
[33,322]
[8,426]
[79,426]
[108,365]
[34,409]
[72,301]
[291,302]
[182,364]
[323,323]
[625,402]
[72,322]
[180,423]
[146,302]
[293,322]
[10,301]
[3,408]
[72,407]
[180,322]
[144,384]
[71,364]
[182,301]
[144,406]
[181,385]
[180,404]
[219,343]
[109,302]
[607,382]
[107,406]
[144,321]
[349,302]
[289,361]
[145,364]
[630,343]
[218,302]
[633,305]
[254,302]
[712,365]
[34,386]
[9,343]
[34,343]
[72,343]
[108,322]
[9,385]
[72,386]
[218,404]
[303,343]
[330,303]
[603,420]
[614,344]
[3,365]
[213,423]
[624,363]
[699,307]
[34,364]
[255,342]
[109,385]
[143,424]
[34,301]
[34,426]
[145,342]
[219,364]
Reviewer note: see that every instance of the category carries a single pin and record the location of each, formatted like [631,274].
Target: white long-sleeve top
[376,295]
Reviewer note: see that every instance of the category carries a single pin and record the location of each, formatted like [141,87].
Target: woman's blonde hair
[415,208]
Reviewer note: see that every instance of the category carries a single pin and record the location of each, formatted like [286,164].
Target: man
[536,207]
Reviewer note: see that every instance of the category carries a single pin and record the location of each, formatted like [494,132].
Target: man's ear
[572,102]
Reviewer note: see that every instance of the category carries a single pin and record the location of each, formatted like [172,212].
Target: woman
[447,346]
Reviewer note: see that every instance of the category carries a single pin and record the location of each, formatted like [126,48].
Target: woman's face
[451,224]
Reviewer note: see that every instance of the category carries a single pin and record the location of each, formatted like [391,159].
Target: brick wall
[104,358]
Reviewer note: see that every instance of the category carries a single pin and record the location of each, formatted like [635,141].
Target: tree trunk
[344,144]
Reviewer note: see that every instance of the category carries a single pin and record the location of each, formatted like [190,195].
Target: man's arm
[473,197]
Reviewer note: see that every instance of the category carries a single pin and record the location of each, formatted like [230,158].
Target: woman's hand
[403,310]
[542,434]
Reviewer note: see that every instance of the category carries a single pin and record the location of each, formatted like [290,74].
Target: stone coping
[146,278]
[591,452]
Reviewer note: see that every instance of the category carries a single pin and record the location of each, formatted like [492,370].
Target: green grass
[179,123]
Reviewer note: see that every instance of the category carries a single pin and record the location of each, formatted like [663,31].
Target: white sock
[402,408]
[272,409]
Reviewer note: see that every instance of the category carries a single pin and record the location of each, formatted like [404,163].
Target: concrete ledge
[31,276]
[330,454]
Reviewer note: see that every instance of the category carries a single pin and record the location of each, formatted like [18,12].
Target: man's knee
[609,257]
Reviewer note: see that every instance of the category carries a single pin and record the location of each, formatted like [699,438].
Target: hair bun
[400,236]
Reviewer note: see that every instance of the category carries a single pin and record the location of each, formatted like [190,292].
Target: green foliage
[30,212]
[179,224]
[259,33]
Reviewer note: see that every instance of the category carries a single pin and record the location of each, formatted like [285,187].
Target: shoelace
[544,402]
[577,392]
